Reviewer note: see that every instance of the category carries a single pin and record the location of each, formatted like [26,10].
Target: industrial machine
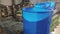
[11,10]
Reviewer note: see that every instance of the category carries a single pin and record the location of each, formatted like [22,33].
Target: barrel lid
[41,7]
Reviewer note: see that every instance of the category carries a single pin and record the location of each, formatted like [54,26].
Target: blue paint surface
[37,20]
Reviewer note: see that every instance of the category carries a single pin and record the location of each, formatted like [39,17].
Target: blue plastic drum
[37,20]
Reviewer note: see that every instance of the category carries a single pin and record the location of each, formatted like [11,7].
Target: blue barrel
[37,20]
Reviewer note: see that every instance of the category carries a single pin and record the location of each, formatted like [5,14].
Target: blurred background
[11,16]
